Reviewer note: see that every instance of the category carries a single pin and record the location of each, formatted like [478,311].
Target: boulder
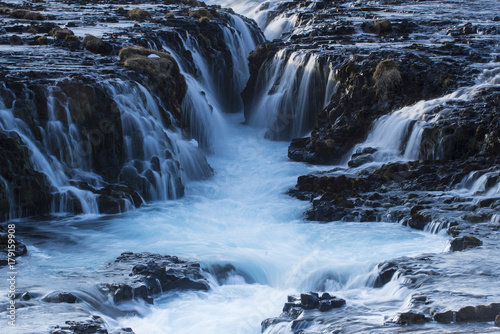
[96,45]
[463,243]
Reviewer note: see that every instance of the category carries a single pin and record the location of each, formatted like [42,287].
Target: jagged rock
[95,325]
[20,249]
[142,275]
[463,243]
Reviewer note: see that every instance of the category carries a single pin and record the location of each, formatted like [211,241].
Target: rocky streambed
[110,106]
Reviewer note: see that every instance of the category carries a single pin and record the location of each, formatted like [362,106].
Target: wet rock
[411,318]
[138,14]
[62,34]
[96,45]
[387,77]
[463,243]
[163,74]
[142,275]
[60,297]
[445,317]
[20,248]
[386,271]
[26,15]
[24,296]
[95,325]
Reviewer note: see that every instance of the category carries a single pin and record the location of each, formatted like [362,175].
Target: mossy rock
[387,77]
[26,15]
[138,14]
[200,13]
[96,45]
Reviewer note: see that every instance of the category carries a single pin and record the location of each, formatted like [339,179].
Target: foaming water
[398,136]
[241,217]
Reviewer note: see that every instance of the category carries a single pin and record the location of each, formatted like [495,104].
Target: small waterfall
[398,136]
[49,156]
[152,151]
[208,82]
[156,160]
[288,94]
[485,183]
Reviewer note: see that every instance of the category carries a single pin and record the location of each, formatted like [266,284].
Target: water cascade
[290,91]
[398,136]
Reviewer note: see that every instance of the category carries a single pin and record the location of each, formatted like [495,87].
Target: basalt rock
[463,243]
[144,275]
[296,306]
[94,325]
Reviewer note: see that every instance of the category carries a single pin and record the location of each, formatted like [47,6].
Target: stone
[60,297]
[445,317]
[410,318]
[309,301]
[96,45]
[463,243]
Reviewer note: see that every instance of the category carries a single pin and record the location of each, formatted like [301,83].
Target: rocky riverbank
[68,134]
[386,58]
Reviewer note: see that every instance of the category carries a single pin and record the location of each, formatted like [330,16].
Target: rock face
[144,275]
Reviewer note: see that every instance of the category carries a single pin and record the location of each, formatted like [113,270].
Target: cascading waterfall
[158,158]
[289,93]
[272,26]
[152,151]
[203,104]
[44,159]
[398,136]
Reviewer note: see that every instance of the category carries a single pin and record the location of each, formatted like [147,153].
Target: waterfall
[207,97]
[157,160]
[398,136]
[262,12]
[152,151]
[44,155]
[289,93]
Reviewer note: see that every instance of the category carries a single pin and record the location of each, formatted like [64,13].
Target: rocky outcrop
[294,311]
[68,110]
[163,75]
[144,275]
[94,325]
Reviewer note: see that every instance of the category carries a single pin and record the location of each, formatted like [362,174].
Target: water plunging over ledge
[242,217]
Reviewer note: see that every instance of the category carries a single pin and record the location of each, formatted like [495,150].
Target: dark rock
[445,317]
[463,243]
[386,271]
[60,297]
[96,45]
[144,274]
[410,318]
[309,301]
[24,296]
